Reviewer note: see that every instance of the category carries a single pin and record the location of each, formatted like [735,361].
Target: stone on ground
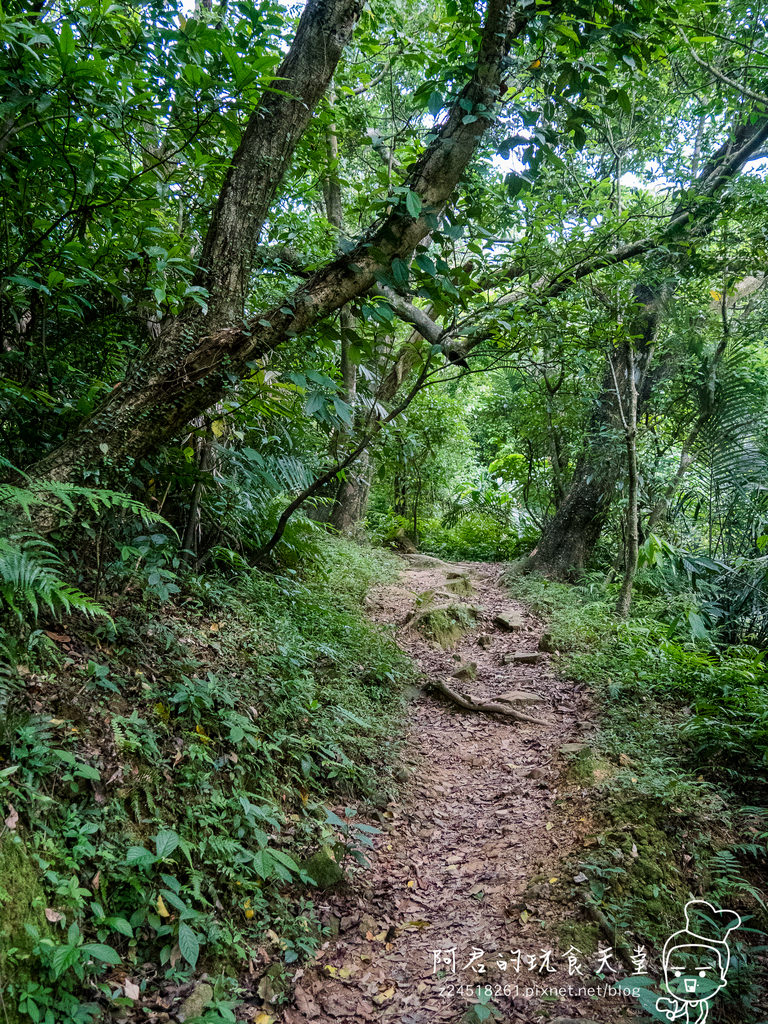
[195,1003]
[445,623]
[468,670]
[461,586]
[509,619]
[520,696]
[323,868]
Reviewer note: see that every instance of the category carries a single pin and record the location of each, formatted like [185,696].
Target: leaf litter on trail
[473,826]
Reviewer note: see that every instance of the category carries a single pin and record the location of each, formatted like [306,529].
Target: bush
[182,769]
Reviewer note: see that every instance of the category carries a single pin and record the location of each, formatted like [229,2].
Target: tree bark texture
[569,538]
[197,357]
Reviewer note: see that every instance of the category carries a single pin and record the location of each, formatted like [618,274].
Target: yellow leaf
[410,884]
[549,826]
[535,64]
[249,913]
[263,1018]
[524,916]
[218,427]
[202,734]
[552,880]
[384,997]
[715,294]
[161,907]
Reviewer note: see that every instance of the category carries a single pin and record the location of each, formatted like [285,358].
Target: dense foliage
[483,278]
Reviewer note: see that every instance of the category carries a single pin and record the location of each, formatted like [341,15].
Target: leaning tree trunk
[197,356]
[571,535]
[351,502]
[628,411]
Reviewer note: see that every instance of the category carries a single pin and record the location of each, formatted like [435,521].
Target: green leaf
[165,843]
[400,270]
[119,924]
[189,947]
[624,101]
[67,40]
[139,855]
[413,203]
[283,858]
[435,103]
[99,951]
[426,265]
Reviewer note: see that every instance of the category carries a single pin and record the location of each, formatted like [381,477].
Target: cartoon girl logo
[696,961]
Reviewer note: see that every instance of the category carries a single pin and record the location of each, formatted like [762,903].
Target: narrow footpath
[466,885]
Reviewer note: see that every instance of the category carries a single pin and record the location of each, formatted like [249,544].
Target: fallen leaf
[13,818]
[53,915]
[132,991]
[60,638]
[384,997]
[161,907]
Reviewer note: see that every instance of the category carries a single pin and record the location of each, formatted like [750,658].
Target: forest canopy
[230,244]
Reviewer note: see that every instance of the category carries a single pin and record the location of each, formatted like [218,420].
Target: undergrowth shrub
[173,771]
[683,744]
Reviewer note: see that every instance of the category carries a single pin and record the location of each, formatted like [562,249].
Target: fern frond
[31,577]
[98,499]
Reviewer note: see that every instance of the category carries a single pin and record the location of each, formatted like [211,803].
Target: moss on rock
[445,624]
[22,906]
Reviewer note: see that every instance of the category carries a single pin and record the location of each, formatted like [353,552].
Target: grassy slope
[171,773]
[671,777]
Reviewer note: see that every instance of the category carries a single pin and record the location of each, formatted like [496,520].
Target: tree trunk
[198,355]
[569,538]
[628,410]
[571,535]
[351,502]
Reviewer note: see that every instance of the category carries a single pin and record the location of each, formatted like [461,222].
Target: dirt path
[470,859]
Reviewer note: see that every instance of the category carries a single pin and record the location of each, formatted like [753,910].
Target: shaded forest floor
[470,883]
[167,776]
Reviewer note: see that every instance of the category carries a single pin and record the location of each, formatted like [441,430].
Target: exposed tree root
[490,708]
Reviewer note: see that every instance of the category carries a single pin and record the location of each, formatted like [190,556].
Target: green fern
[65,498]
[32,573]
[32,577]
[729,880]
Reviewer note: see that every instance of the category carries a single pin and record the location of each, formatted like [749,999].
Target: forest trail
[470,858]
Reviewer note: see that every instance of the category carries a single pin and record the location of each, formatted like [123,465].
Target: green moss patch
[445,624]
